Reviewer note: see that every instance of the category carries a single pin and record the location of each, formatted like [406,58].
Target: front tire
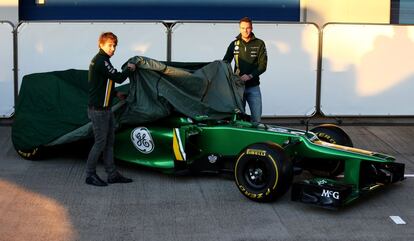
[326,167]
[263,172]
[332,134]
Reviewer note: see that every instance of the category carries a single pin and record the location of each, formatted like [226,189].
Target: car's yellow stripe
[345,148]
[177,146]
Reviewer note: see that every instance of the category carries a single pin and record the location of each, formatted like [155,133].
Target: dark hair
[246,19]
[108,35]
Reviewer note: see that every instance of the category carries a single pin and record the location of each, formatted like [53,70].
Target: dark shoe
[118,178]
[95,180]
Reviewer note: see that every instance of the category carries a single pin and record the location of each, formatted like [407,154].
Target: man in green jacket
[250,57]
[102,76]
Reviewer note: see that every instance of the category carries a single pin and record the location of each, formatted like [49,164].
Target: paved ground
[48,200]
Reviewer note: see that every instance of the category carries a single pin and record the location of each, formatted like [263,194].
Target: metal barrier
[50,46]
[289,84]
[6,69]
[367,70]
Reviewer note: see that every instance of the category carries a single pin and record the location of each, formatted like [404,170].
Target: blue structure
[402,12]
[259,10]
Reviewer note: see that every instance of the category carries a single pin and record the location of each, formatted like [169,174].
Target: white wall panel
[51,46]
[6,70]
[367,70]
[289,84]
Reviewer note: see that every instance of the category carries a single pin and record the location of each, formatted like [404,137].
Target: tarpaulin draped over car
[52,106]
[49,106]
[157,89]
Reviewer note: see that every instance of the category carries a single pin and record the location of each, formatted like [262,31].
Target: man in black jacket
[102,76]
[250,56]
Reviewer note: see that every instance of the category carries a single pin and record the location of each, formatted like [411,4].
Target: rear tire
[263,172]
[32,154]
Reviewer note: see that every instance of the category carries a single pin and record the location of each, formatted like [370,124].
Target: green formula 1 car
[264,158]
[189,116]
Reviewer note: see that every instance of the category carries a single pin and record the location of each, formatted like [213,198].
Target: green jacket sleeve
[111,73]
[228,57]
[262,61]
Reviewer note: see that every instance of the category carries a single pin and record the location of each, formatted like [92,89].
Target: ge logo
[142,140]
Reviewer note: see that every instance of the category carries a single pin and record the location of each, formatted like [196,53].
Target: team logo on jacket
[142,140]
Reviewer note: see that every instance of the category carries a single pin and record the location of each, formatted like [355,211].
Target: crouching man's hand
[121,95]
[131,67]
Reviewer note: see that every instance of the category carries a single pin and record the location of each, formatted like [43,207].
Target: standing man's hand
[131,67]
[121,95]
[246,77]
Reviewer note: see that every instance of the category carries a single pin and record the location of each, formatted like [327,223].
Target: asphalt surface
[48,200]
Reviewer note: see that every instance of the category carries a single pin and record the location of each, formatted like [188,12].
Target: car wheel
[32,154]
[332,134]
[263,172]
[328,167]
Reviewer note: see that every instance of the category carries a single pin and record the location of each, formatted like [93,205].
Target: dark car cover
[157,89]
[52,107]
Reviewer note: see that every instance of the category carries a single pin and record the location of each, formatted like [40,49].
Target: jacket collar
[238,37]
[101,52]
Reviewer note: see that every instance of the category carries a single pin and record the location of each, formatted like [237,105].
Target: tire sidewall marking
[327,137]
[260,194]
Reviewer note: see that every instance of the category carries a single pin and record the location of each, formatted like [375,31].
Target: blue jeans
[103,126]
[253,97]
